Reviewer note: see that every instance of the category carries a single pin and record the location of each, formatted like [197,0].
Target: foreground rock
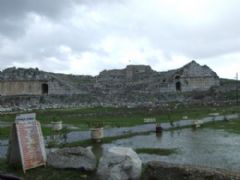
[119,163]
[4,176]
[159,170]
[76,157]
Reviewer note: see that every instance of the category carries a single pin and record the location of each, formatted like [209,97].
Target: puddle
[3,148]
[204,147]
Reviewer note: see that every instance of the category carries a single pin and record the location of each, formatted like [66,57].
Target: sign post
[26,143]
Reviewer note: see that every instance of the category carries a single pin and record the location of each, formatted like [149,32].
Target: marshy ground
[83,119]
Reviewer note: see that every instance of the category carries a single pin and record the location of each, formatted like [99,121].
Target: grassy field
[229,126]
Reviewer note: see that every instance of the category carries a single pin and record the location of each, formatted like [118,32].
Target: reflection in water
[159,136]
[97,149]
[3,148]
[205,147]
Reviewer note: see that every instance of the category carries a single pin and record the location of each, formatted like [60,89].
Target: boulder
[76,158]
[119,163]
[161,170]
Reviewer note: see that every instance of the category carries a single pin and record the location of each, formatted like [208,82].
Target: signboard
[27,144]
[149,120]
[26,117]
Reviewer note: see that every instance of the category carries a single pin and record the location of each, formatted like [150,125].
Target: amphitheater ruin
[133,86]
[141,78]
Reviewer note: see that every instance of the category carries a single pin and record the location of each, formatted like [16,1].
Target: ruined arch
[178,86]
[177,77]
[44,88]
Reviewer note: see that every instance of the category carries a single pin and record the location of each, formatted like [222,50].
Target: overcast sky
[88,36]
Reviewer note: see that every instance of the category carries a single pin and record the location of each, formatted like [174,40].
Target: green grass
[231,95]
[43,173]
[119,116]
[3,165]
[156,151]
[53,174]
[85,118]
[4,132]
[47,131]
[229,126]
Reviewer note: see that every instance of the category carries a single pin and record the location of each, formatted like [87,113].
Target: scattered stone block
[76,158]
[197,123]
[119,163]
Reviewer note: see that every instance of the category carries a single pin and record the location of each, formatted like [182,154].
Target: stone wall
[142,78]
[56,87]
[198,83]
[8,88]
[132,79]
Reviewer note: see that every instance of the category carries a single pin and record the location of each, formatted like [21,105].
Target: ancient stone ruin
[137,77]
[133,84]
[142,78]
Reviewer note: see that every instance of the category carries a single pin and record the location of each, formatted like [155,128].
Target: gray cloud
[14,13]
[18,9]
[60,35]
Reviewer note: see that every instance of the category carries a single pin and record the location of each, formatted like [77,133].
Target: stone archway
[45,88]
[178,86]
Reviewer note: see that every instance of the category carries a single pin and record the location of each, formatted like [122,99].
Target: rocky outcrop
[160,170]
[119,163]
[76,158]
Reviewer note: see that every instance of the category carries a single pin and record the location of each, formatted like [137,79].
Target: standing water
[203,147]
